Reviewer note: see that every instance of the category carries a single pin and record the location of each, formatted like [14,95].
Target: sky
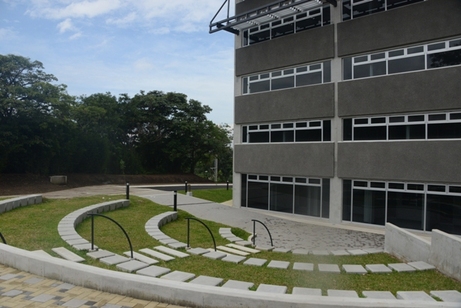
[125,46]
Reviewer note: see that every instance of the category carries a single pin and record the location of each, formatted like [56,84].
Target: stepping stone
[206,281]
[115,259]
[233,238]
[255,261]
[8,276]
[278,264]
[265,248]
[77,241]
[234,251]
[329,268]
[270,288]
[67,254]
[215,255]
[300,251]
[178,276]
[378,294]
[354,269]
[75,302]
[243,248]
[373,250]
[12,293]
[132,266]
[141,257]
[378,268]
[307,291]
[197,251]
[177,245]
[42,253]
[98,254]
[341,252]
[283,250]
[233,258]
[415,296]
[301,266]
[342,293]
[171,251]
[236,284]
[401,267]
[421,265]
[244,243]
[320,252]
[153,271]
[448,296]
[156,254]
[86,247]
[168,241]
[357,252]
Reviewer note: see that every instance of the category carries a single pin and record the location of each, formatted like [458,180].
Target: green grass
[215,195]
[35,227]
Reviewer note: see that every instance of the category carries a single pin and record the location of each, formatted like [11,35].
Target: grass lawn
[217,195]
[35,227]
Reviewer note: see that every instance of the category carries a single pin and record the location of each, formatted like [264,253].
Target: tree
[33,115]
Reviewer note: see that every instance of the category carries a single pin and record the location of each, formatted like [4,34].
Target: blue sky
[124,46]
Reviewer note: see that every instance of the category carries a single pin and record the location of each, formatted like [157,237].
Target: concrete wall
[308,102]
[430,90]
[406,245]
[13,203]
[403,26]
[424,161]
[304,159]
[304,47]
[446,253]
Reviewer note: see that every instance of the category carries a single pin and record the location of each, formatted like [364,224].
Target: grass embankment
[35,227]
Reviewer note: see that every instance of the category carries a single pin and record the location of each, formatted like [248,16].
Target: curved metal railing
[254,232]
[188,231]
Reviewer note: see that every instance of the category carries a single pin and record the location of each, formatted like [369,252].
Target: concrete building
[349,110]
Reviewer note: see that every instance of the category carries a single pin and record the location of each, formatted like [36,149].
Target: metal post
[127,191]
[253,239]
[175,201]
[92,233]
[188,233]
[185,186]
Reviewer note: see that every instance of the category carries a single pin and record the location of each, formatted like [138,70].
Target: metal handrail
[254,232]
[188,231]
[92,231]
[3,239]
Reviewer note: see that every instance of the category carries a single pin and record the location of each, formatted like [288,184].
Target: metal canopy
[273,11]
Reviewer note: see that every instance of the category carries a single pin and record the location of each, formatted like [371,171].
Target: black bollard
[185,186]
[127,191]
[175,201]
[227,186]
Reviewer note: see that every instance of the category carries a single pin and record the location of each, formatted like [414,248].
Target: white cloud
[65,25]
[131,17]
[81,9]
[6,33]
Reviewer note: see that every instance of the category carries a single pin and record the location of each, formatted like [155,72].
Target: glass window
[370,133]
[260,86]
[282,136]
[369,206]
[326,198]
[307,200]
[258,195]
[441,59]
[399,132]
[308,135]
[283,83]
[368,70]
[347,200]
[308,79]
[406,210]
[406,64]
[444,131]
[281,197]
[444,213]
[256,137]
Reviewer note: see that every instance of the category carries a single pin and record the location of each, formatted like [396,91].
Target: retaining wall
[13,203]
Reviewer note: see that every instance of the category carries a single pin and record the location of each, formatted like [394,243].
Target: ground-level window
[408,205]
[296,195]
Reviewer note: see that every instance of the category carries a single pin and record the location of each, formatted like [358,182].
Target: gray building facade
[350,110]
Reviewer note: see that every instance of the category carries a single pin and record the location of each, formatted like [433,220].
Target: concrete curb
[179,293]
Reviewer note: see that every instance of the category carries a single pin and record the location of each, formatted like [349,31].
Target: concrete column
[336,124]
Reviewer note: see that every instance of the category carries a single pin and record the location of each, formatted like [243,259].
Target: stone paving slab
[421,265]
[378,268]
[300,251]
[307,291]
[113,260]
[329,268]
[255,262]
[374,250]
[156,254]
[401,267]
[378,294]
[302,266]
[236,284]
[215,255]
[172,252]
[153,271]
[75,303]
[270,288]
[340,252]
[206,281]
[278,264]
[42,298]
[357,252]
[177,245]
[320,252]
[198,251]
[168,241]
[233,258]
[67,254]
[243,248]
[131,266]
[283,250]
[140,257]
[448,295]
[86,247]
[265,248]
[415,296]
[342,293]
[178,276]
[233,250]
[77,241]
[98,254]
[243,243]
[354,269]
